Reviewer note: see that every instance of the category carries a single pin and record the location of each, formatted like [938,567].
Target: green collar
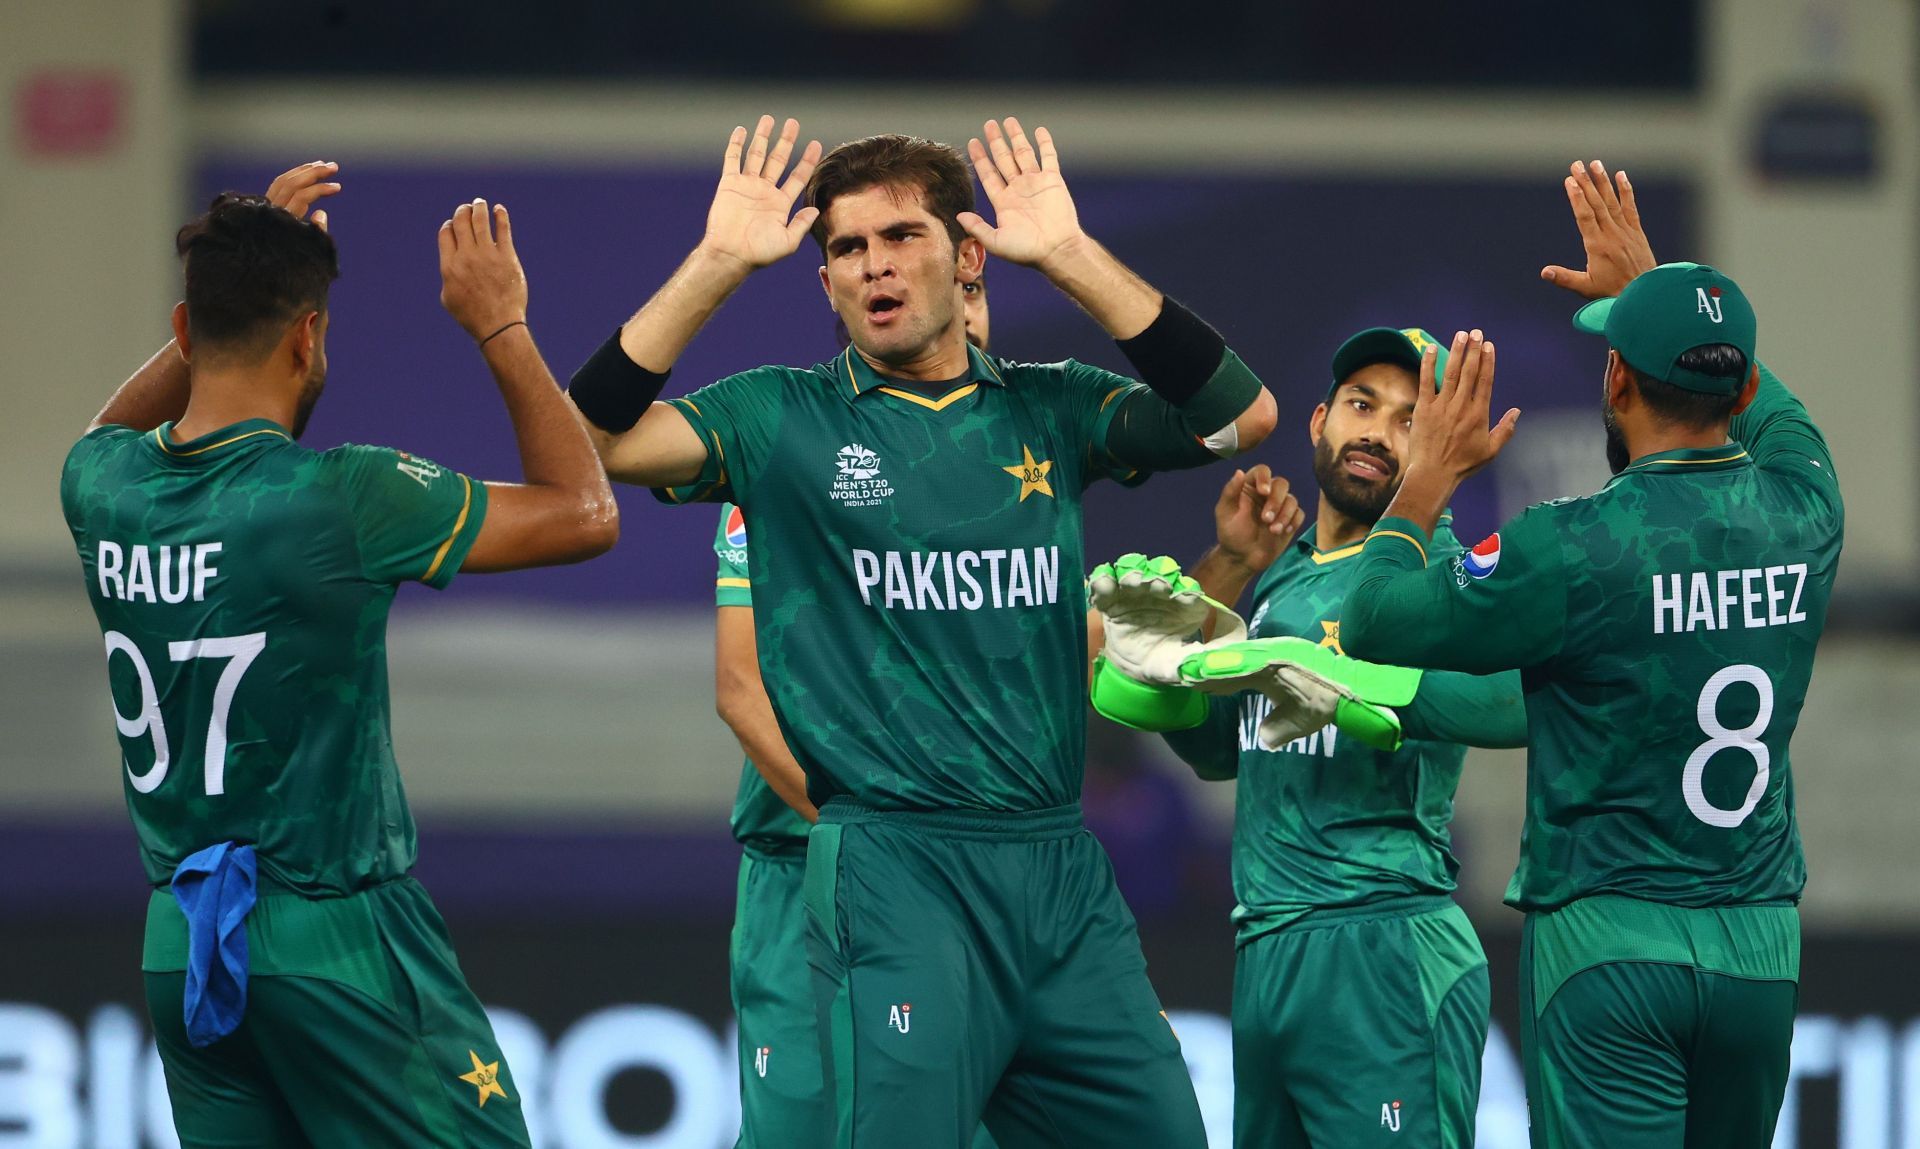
[1308,544]
[248,430]
[1690,460]
[856,372]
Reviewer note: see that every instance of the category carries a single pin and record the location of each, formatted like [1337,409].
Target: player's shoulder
[1019,372]
[102,440]
[355,466]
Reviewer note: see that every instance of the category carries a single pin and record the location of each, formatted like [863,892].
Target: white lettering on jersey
[1710,599]
[1255,708]
[949,580]
[126,572]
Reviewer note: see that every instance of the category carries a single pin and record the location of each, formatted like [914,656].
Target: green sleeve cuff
[466,531]
[1400,538]
[713,485]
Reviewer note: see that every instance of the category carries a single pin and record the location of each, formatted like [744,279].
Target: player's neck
[1658,440]
[944,358]
[221,399]
[1333,529]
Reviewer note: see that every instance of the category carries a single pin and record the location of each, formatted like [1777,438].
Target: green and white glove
[1310,687]
[1152,615]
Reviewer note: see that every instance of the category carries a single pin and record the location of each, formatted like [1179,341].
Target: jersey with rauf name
[242,583]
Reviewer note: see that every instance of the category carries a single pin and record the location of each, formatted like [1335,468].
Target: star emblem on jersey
[1331,639]
[1032,475]
[485,1075]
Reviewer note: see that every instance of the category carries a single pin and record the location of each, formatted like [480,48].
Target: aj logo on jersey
[1709,302]
[760,1057]
[900,1017]
[1390,1117]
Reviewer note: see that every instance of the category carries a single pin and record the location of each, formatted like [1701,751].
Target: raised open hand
[296,190]
[752,218]
[1450,436]
[1609,222]
[1033,214]
[481,283]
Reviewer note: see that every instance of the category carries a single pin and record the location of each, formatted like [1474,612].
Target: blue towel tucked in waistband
[215,889]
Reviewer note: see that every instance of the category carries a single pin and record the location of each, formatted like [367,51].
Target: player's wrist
[1069,257]
[714,263]
[498,332]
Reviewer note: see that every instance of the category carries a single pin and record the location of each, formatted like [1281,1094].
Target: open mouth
[882,308]
[1364,466]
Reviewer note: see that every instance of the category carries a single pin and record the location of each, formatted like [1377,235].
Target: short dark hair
[934,170]
[252,268]
[1695,409]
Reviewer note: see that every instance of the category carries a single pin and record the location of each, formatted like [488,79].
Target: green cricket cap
[1402,345]
[1668,311]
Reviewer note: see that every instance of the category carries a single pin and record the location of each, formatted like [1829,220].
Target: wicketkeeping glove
[1310,687]
[1153,617]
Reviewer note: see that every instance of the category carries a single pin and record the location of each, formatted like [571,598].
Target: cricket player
[1360,989]
[302,987]
[920,620]
[782,1099]
[1664,628]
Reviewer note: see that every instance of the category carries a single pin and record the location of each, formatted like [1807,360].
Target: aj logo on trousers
[900,1017]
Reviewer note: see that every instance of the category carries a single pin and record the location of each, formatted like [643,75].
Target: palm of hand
[1033,215]
[748,220]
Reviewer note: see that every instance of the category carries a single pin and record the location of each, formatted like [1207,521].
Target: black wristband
[1176,354]
[613,391]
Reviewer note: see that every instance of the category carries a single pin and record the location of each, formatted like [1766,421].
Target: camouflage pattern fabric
[242,583]
[1665,627]
[917,571]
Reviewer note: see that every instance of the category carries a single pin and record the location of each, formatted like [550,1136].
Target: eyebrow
[839,243]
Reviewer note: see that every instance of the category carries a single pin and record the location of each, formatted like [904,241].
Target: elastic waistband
[1003,825]
[763,851]
[1405,906]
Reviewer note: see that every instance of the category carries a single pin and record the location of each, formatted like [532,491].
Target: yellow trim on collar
[1323,557]
[940,404]
[160,438]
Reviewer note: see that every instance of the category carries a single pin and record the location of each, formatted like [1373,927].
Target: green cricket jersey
[917,576]
[761,818]
[1665,629]
[243,582]
[1327,821]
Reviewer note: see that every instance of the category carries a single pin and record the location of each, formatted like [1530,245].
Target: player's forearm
[657,334]
[555,452]
[155,394]
[748,712]
[1121,302]
[1211,749]
[1221,576]
[1468,709]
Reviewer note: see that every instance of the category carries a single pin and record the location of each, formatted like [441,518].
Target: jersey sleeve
[1130,431]
[1468,709]
[413,519]
[1211,749]
[1500,606]
[1783,440]
[730,586]
[1094,396]
[736,418]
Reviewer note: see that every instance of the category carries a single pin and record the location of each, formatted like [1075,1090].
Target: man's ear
[825,287]
[1317,426]
[1620,390]
[972,258]
[1748,391]
[306,341]
[181,338]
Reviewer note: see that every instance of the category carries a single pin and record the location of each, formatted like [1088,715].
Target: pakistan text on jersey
[133,574]
[1254,709]
[1705,600]
[951,580]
